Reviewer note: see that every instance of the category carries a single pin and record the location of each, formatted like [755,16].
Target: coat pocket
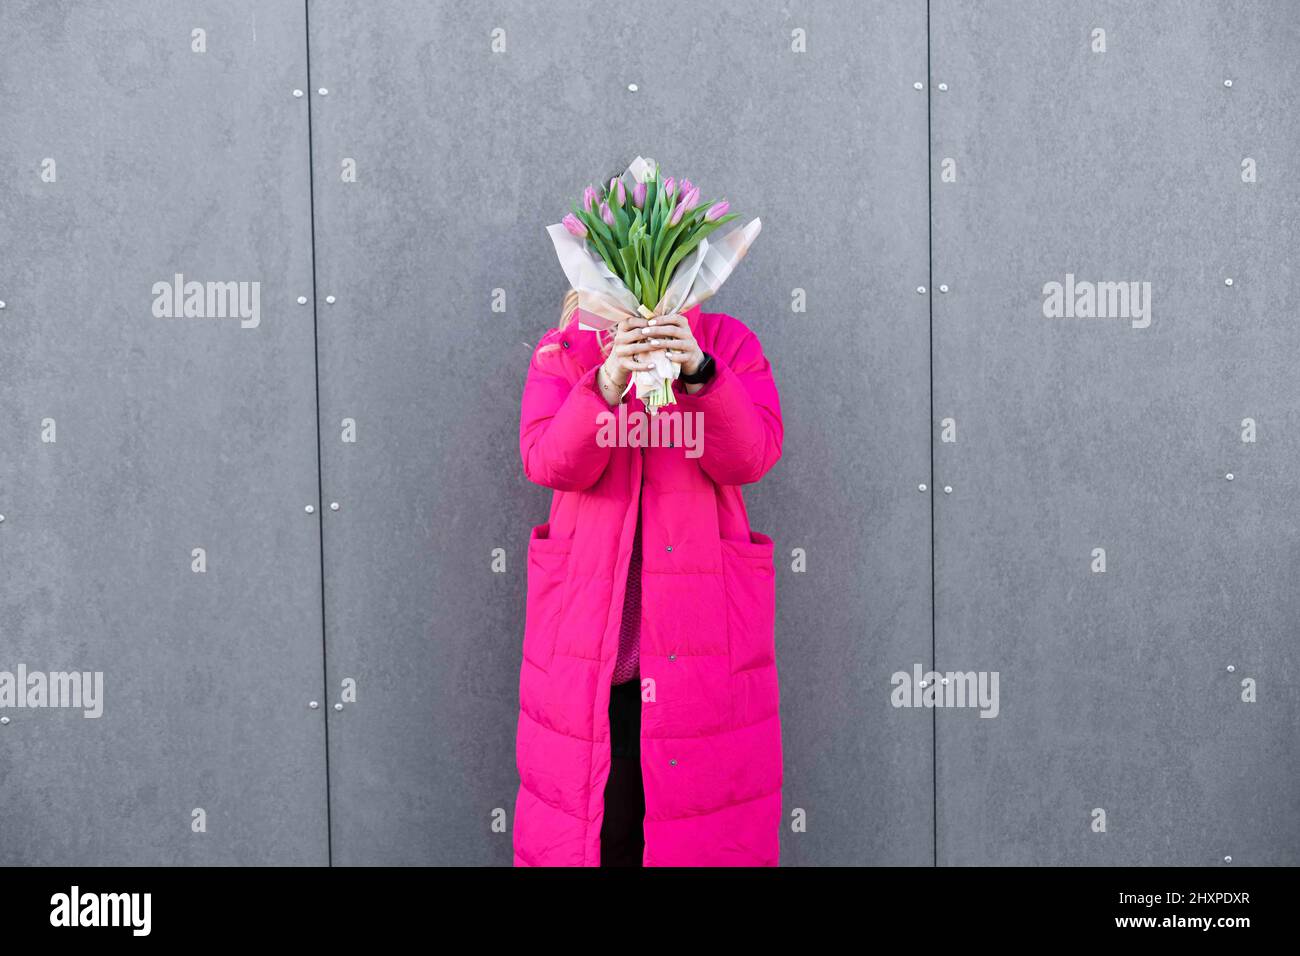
[548,566]
[750,581]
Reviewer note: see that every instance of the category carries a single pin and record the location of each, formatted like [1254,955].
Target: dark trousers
[622,840]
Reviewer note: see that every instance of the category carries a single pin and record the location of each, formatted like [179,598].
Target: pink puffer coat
[711,735]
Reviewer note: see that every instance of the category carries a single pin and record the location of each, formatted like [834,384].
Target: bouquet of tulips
[640,246]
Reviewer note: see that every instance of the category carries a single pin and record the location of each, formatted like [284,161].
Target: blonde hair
[568,306]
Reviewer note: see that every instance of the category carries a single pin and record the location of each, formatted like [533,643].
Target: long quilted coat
[711,735]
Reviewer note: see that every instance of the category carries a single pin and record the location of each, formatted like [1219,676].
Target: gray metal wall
[403,196]
[168,435]
[1121,689]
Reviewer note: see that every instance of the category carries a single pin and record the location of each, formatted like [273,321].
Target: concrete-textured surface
[404,196]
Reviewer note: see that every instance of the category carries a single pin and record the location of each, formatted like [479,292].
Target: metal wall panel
[129,439]
[1120,690]
[437,141]
[462,156]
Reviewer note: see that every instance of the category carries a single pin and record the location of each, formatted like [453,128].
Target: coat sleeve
[741,416]
[558,422]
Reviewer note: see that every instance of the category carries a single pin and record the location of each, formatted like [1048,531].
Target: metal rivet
[1227,859]
[329,299]
[631,87]
[925,683]
[943,288]
[1228,476]
[338,706]
[302,300]
[310,509]
[2,305]
[672,763]
[947,489]
[323,92]
[920,290]
[943,87]
[4,720]
[672,657]
[297,92]
[920,487]
[918,86]
[944,681]
[2,518]
[313,705]
[669,547]
[1231,668]
[1228,83]
[1227,282]
[334,506]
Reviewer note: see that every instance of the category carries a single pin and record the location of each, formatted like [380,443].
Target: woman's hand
[624,358]
[674,331]
[637,338]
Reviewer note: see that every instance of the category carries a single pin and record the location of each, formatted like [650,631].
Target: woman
[692,727]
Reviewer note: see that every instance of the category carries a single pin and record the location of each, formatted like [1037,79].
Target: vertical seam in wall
[320,460]
[929,280]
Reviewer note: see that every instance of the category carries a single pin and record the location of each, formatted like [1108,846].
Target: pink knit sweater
[627,666]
